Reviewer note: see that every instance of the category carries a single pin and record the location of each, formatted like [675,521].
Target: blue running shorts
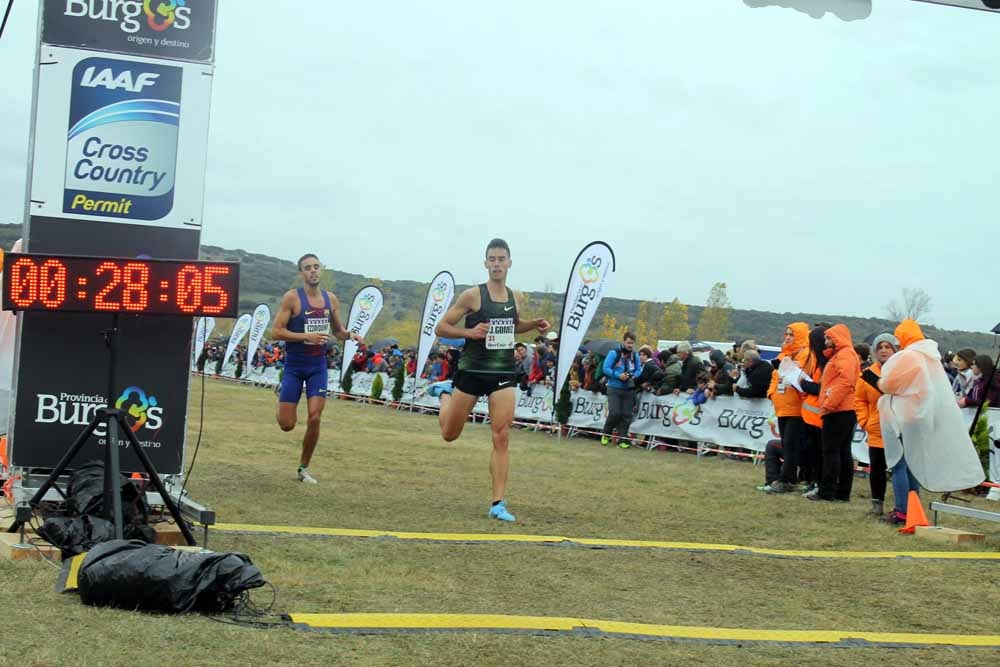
[313,374]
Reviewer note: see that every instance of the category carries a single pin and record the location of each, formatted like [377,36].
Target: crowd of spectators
[819,401]
[826,387]
[269,354]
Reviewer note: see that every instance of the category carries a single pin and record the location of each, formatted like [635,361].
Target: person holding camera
[621,367]
[650,375]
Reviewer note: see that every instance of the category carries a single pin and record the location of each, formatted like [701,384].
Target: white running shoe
[304,476]
[994,494]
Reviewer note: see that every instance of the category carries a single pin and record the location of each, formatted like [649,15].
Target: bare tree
[914,305]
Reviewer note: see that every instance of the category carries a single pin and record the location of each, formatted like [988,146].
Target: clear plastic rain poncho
[921,419]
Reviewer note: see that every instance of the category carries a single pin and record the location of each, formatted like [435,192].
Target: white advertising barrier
[727,421]
[748,423]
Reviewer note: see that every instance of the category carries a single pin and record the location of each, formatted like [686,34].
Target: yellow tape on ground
[602,542]
[487,622]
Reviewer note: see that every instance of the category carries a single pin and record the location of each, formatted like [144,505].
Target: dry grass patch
[386,470]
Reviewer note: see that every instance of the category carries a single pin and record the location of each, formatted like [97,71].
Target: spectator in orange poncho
[921,420]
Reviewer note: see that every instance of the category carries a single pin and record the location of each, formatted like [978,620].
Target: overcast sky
[813,165]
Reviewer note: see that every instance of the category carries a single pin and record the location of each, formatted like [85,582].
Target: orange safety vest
[810,404]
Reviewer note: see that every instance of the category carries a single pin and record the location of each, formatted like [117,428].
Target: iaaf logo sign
[132,15]
[121,142]
[143,410]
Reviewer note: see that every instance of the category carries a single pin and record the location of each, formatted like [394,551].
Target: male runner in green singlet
[486,367]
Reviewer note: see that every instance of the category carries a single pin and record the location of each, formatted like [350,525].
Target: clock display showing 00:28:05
[108,285]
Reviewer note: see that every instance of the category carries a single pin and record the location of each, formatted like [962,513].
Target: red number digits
[100,301]
[212,288]
[52,283]
[23,282]
[135,295]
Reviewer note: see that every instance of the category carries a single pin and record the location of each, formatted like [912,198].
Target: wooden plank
[169,534]
[11,550]
[941,534]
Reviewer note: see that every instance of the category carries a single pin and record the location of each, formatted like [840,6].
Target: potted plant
[345,384]
[981,438]
[399,375]
[377,386]
[563,408]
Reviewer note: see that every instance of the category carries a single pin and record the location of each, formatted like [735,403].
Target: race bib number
[500,335]
[317,325]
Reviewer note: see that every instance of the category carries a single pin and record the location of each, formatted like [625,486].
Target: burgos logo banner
[439,295]
[182,29]
[121,152]
[584,290]
[365,308]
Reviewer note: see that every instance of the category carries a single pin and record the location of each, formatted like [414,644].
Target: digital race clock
[118,285]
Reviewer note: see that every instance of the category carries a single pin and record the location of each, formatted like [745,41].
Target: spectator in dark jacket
[690,365]
[671,372]
[758,374]
[985,384]
[651,375]
[721,375]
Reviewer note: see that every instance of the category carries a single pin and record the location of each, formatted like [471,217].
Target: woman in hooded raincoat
[788,408]
[836,402]
[920,418]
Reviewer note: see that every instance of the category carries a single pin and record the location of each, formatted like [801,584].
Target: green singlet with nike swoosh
[488,364]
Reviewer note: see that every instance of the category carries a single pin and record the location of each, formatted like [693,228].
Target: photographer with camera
[621,367]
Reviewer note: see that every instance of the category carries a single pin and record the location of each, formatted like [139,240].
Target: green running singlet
[494,354]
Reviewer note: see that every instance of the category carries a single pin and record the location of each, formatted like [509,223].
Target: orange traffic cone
[914,514]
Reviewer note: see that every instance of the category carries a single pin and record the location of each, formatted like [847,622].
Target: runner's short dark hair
[304,258]
[629,335]
[497,243]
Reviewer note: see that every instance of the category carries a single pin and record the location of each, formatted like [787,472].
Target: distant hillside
[263,279]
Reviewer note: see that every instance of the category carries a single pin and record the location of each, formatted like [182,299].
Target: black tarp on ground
[134,575]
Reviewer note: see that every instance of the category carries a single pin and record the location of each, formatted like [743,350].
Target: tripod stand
[114,419]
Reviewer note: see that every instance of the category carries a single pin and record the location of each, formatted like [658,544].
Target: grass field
[386,470]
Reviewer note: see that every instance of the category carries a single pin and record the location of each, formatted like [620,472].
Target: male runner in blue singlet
[304,321]
[486,367]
